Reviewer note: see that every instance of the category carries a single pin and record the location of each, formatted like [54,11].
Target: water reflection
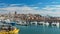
[39,29]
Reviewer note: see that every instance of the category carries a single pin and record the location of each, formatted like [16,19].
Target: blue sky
[32,2]
[38,3]
[43,7]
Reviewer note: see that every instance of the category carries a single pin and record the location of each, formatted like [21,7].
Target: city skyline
[43,7]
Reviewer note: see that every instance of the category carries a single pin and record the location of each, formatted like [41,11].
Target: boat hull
[10,32]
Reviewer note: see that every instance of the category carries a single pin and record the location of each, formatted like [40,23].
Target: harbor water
[39,29]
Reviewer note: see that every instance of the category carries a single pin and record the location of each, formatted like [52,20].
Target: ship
[8,29]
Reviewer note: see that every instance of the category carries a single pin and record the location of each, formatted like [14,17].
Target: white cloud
[24,9]
[15,5]
[53,11]
[54,2]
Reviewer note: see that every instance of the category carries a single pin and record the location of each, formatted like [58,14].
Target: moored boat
[7,29]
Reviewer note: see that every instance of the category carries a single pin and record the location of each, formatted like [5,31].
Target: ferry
[8,29]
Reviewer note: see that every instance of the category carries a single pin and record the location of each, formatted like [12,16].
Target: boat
[40,23]
[8,29]
[22,23]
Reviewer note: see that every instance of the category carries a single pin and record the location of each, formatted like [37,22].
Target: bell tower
[15,12]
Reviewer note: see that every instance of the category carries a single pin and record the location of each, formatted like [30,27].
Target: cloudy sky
[43,7]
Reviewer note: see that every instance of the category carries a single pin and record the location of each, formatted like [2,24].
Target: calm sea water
[38,29]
